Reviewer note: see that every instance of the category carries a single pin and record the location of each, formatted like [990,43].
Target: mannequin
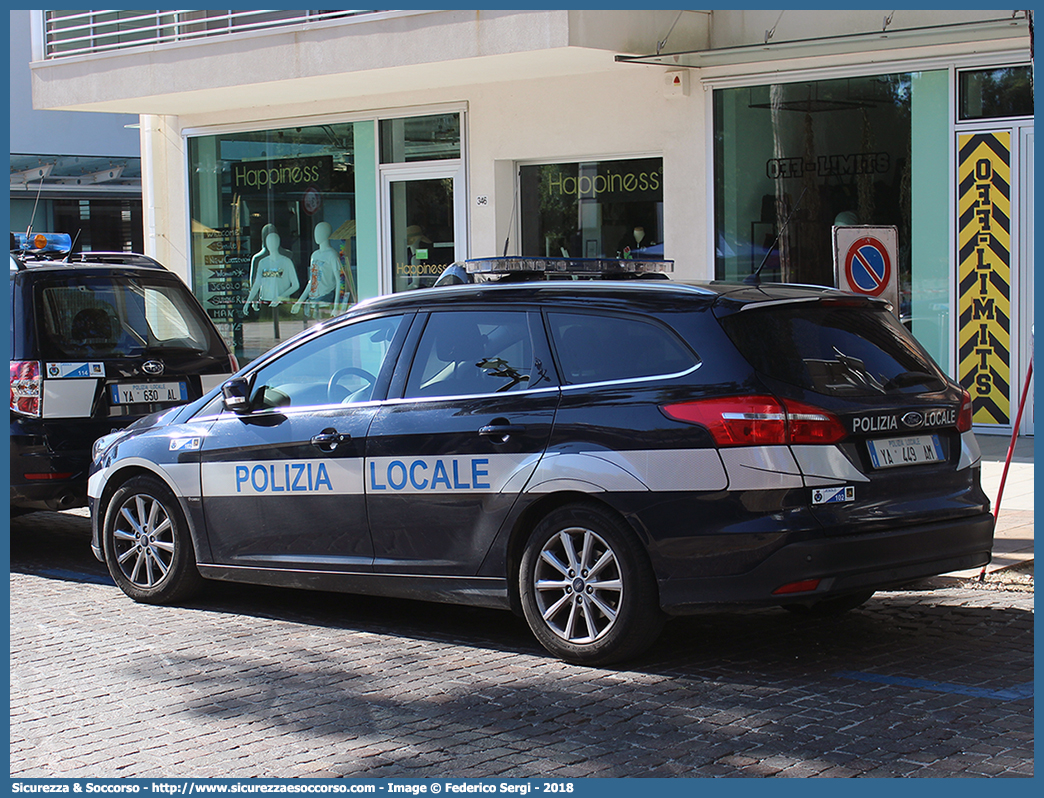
[263,252]
[326,277]
[415,244]
[629,243]
[275,277]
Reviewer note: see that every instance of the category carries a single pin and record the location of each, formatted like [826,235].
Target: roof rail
[117,259]
[46,256]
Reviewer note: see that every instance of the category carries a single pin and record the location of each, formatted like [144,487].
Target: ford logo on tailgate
[152,367]
[913,419]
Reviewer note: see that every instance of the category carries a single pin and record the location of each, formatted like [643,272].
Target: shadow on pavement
[924,617]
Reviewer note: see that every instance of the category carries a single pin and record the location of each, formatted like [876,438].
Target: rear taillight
[233,362]
[811,424]
[964,416]
[735,420]
[759,421]
[26,386]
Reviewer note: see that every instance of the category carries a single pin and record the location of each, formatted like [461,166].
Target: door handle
[329,440]
[501,432]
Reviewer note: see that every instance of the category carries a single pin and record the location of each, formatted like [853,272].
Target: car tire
[830,607]
[147,545]
[587,589]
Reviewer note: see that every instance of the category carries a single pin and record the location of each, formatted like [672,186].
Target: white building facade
[75,172]
[722,140]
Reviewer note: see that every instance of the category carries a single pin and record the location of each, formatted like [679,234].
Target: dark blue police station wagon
[596,456]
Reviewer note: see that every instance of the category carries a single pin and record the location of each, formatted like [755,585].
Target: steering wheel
[345,372]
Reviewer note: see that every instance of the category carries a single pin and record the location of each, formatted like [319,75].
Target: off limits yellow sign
[984,273]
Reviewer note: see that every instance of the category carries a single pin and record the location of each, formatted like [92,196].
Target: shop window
[793,160]
[840,146]
[274,240]
[593,209]
[420,138]
[995,93]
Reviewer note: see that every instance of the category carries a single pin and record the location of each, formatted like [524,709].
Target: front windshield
[114,316]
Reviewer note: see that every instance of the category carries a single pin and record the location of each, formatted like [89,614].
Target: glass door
[423,224]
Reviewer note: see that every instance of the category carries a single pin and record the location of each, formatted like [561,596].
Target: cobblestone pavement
[257,682]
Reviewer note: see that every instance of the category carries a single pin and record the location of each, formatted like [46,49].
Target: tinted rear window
[594,348]
[119,316]
[843,351]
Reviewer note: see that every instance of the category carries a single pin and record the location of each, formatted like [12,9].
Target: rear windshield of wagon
[118,316]
[841,351]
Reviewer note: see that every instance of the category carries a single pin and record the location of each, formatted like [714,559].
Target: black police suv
[594,455]
[98,340]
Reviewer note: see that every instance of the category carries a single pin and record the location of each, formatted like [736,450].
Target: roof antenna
[32,218]
[755,277]
[72,246]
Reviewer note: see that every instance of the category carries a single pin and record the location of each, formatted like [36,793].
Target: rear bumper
[52,495]
[843,565]
[42,449]
[47,491]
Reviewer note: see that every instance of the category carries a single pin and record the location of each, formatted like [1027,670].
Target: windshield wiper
[856,371]
[908,378]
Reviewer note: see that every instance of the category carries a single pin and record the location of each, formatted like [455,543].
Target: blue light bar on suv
[41,242]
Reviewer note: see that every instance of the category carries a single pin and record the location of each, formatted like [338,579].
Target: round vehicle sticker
[312,201]
[868,266]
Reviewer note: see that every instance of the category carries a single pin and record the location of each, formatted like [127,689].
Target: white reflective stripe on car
[826,465]
[970,452]
[334,476]
[761,468]
[464,473]
[487,473]
[661,470]
[96,483]
[641,470]
[596,471]
[68,398]
[181,478]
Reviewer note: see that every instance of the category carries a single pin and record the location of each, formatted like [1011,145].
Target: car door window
[339,367]
[464,353]
[594,348]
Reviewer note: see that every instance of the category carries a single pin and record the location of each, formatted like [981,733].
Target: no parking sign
[866,262]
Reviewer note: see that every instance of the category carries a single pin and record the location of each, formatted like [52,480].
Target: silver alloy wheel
[577,585]
[143,538]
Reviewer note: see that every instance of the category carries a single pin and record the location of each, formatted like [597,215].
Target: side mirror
[237,395]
